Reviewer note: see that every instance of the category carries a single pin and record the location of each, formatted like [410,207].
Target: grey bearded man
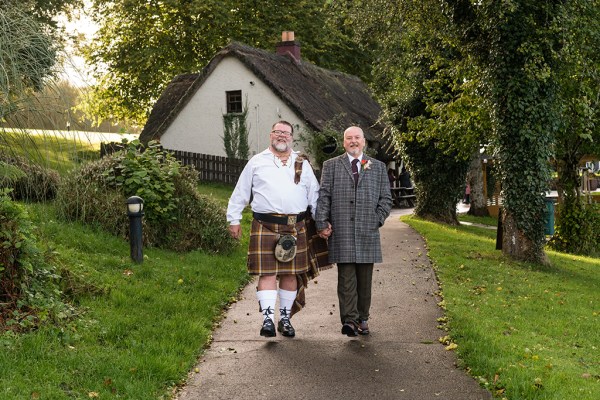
[284,245]
[354,201]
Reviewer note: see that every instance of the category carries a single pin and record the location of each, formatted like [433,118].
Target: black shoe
[268,328]
[363,327]
[285,327]
[350,329]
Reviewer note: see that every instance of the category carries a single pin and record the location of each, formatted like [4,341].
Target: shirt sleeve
[313,188]
[241,195]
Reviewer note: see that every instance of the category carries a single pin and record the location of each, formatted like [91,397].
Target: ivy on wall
[235,134]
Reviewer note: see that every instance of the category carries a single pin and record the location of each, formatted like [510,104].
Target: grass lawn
[142,329]
[57,152]
[526,331]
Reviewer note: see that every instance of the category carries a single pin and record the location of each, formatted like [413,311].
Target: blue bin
[549,216]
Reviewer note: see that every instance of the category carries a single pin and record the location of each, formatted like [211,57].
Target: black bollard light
[135,211]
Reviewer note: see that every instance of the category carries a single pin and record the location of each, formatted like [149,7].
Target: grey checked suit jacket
[355,214]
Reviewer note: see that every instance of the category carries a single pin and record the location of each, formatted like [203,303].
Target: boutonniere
[365,164]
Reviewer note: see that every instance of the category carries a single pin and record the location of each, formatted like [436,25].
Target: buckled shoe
[285,327]
[268,328]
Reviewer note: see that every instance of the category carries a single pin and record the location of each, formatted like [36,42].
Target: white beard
[354,151]
[281,147]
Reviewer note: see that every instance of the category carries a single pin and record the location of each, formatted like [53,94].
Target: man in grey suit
[354,201]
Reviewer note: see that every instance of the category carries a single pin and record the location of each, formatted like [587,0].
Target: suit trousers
[354,291]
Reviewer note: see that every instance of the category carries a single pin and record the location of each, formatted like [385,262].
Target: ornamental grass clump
[32,182]
[176,216]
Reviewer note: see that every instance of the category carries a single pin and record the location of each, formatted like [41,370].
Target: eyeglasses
[282,133]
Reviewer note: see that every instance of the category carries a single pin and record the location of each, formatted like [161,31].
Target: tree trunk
[517,245]
[475,179]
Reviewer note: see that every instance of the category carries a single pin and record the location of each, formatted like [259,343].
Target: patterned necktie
[355,171]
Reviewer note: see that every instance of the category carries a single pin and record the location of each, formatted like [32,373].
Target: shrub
[200,221]
[577,228]
[30,288]
[35,183]
[176,216]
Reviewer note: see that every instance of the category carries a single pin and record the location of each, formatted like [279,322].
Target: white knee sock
[286,301]
[267,300]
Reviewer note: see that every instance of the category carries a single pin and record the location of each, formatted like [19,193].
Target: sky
[75,69]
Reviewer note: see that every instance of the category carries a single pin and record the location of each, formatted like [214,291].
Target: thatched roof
[315,94]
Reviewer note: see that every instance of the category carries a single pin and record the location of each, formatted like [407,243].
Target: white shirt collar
[350,157]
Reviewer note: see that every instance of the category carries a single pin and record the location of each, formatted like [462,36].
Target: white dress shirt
[359,165]
[272,187]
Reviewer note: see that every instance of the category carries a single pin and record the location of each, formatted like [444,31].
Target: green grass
[219,191]
[493,221]
[143,326]
[55,152]
[527,331]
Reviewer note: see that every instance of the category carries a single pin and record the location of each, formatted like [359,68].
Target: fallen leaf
[451,346]
[93,394]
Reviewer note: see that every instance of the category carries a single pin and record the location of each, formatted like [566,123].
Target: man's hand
[325,233]
[235,231]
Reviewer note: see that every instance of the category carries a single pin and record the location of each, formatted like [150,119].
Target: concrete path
[400,359]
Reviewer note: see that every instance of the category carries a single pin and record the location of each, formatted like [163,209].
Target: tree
[579,132]
[431,95]
[141,46]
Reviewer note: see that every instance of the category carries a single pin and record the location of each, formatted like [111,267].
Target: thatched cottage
[189,115]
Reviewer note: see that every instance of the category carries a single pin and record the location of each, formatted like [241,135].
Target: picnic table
[403,196]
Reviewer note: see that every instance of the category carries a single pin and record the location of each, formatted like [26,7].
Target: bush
[176,216]
[35,183]
[30,288]
[577,228]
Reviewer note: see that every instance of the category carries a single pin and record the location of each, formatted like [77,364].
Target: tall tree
[514,44]
[579,132]
[141,46]
[431,96]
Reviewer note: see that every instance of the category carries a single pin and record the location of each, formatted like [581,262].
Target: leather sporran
[285,249]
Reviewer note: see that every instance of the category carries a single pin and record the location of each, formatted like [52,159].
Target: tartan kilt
[263,239]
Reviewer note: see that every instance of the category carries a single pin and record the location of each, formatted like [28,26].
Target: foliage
[140,336]
[58,106]
[141,46]
[331,138]
[176,216]
[525,331]
[30,287]
[577,227]
[27,56]
[52,150]
[45,11]
[148,174]
[439,180]
[579,132]
[235,134]
[432,96]
[33,183]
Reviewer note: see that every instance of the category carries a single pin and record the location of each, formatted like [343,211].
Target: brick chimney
[289,45]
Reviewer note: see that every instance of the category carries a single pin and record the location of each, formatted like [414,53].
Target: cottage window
[234,101]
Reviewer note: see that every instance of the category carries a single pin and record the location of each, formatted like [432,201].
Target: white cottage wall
[199,125]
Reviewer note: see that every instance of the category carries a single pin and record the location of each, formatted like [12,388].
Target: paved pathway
[401,359]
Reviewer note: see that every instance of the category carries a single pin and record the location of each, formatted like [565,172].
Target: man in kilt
[282,190]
